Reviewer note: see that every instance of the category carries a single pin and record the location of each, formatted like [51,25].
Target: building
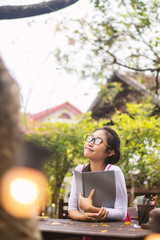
[132,88]
[64,112]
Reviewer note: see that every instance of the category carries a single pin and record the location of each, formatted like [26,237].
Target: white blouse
[119,212]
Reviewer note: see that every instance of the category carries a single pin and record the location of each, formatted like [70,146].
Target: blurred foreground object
[154,220]
[153,236]
[22,11]
[11,145]
[10,135]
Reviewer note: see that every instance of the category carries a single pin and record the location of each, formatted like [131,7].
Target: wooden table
[64,228]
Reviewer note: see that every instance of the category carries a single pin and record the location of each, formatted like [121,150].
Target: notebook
[104,184]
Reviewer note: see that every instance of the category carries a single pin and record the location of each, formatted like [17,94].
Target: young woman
[102,148]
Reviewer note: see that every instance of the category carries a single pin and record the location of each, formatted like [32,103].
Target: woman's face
[96,152]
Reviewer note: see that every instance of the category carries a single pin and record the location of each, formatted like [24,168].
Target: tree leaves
[124,33]
[139,132]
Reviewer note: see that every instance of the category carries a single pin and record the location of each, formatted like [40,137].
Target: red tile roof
[41,115]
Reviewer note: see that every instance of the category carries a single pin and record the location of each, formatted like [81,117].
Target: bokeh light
[23,192]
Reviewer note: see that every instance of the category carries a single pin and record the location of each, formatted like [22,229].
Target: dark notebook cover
[104,184]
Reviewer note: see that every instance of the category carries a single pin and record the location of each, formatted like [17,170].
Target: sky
[26,47]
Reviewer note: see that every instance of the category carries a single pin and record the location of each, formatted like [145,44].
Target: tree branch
[138,69]
[147,44]
[157,83]
[115,61]
[14,12]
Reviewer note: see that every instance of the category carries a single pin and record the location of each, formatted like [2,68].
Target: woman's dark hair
[113,141]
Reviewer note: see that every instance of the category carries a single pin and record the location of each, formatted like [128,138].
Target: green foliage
[140,145]
[111,91]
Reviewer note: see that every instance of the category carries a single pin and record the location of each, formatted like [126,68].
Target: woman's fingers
[91,194]
[102,214]
[91,217]
[80,195]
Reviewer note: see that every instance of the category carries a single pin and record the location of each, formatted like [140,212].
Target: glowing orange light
[22,191]
[153,236]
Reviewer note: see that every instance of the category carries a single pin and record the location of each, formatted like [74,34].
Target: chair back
[63,209]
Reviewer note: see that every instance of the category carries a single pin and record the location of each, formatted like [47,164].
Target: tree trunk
[132,190]
[11,143]
[55,196]
[13,12]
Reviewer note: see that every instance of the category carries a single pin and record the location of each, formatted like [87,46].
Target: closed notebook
[104,184]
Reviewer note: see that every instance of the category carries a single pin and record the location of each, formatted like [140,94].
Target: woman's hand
[95,217]
[88,216]
[86,203]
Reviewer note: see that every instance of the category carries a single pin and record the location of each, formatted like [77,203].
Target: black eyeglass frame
[94,140]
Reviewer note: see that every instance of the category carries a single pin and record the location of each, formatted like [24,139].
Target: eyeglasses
[97,141]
